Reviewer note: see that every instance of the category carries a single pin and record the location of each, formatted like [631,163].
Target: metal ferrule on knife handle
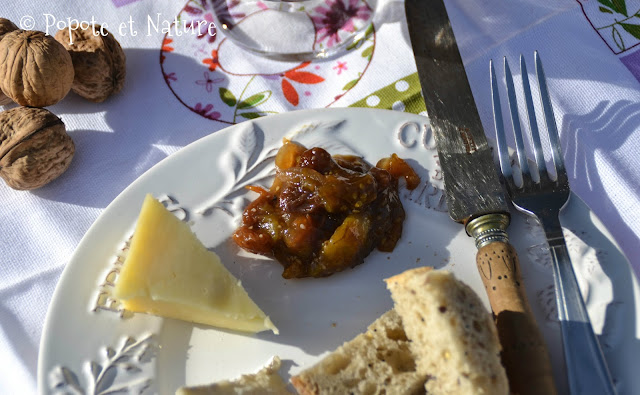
[488,228]
[474,194]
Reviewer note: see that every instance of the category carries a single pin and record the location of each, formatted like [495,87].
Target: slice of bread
[453,337]
[267,381]
[375,362]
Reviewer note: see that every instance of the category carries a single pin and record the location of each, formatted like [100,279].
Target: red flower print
[213,61]
[302,77]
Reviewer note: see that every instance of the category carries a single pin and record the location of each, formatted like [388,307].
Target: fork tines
[556,151]
[586,367]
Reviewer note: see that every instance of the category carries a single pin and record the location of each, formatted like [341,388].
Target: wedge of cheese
[170,273]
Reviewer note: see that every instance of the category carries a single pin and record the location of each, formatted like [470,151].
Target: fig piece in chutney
[324,213]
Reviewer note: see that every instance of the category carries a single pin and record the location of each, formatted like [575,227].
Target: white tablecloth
[171,99]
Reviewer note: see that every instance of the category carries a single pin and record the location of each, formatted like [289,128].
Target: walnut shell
[35,70]
[34,147]
[4,100]
[99,62]
[6,26]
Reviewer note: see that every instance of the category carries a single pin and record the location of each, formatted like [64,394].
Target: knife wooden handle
[524,352]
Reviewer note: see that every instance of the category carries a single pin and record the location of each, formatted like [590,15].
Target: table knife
[474,194]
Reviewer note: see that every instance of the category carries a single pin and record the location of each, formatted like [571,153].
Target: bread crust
[453,337]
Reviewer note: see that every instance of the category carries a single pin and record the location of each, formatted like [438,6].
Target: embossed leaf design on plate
[119,371]
[249,163]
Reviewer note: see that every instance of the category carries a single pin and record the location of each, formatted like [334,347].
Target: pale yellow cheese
[170,273]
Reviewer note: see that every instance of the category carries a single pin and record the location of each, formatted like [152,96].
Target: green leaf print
[605,10]
[361,40]
[367,53]
[355,44]
[369,30]
[251,115]
[350,84]
[619,6]
[254,100]
[634,30]
[617,38]
[227,97]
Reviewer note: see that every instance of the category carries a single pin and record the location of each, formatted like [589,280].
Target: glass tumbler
[294,30]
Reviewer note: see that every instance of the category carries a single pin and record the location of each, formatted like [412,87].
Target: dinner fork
[544,198]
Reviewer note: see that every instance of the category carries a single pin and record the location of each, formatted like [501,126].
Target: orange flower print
[301,77]
[166,47]
[290,92]
[213,61]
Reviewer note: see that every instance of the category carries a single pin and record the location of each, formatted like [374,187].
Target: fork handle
[524,352]
[587,370]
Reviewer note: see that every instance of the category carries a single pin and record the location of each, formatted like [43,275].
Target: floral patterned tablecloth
[180,88]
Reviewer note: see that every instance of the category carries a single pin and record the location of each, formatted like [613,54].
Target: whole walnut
[98,60]
[35,69]
[6,26]
[34,147]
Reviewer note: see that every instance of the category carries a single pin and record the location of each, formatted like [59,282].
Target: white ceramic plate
[90,346]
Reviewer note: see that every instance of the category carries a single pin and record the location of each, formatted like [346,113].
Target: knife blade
[474,194]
